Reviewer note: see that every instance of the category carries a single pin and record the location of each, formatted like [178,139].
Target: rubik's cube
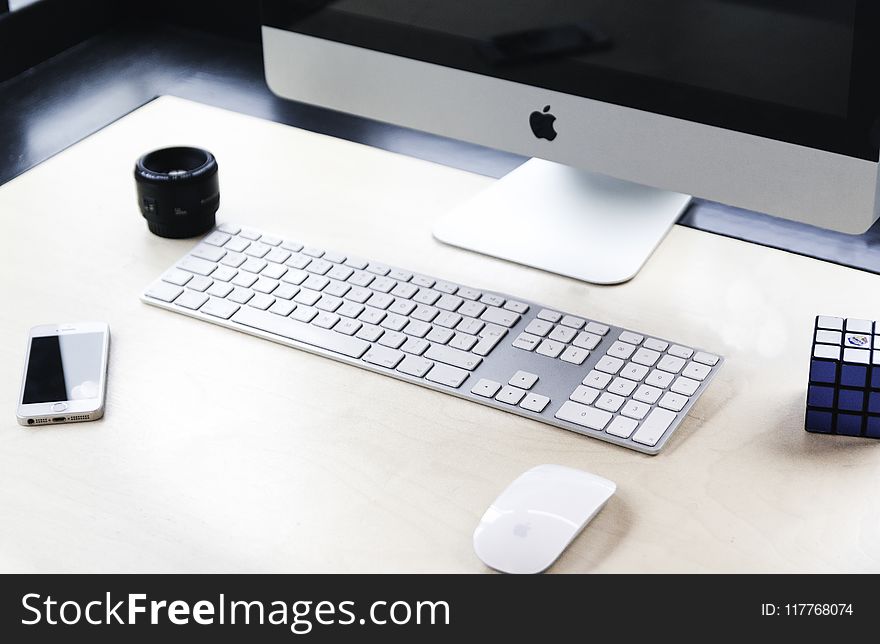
[844,392]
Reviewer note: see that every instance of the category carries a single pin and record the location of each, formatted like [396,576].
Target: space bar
[301,332]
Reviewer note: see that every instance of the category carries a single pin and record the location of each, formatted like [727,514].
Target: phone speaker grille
[80,417]
[40,421]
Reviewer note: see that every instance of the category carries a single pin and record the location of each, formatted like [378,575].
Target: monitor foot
[568,221]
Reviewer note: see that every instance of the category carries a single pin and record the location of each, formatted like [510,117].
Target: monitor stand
[568,221]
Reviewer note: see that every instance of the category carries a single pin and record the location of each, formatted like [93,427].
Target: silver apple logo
[522,529]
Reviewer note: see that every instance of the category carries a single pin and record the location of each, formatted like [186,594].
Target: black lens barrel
[178,191]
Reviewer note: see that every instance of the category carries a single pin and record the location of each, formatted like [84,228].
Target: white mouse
[529,525]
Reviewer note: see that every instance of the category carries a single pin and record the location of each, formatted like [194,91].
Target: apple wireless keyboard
[590,377]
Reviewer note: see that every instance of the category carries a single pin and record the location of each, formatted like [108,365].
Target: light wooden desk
[223,452]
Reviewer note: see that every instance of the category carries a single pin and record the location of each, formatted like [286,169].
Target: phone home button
[60,406]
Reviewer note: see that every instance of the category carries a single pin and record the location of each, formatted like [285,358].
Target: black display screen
[801,71]
[65,367]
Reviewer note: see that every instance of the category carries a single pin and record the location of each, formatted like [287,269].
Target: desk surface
[223,452]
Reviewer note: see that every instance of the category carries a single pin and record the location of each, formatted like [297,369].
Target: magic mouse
[532,521]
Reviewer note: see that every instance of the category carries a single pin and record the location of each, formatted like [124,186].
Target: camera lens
[178,191]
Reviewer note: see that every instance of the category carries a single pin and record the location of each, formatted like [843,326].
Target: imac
[625,108]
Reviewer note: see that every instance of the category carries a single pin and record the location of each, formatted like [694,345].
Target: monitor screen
[800,71]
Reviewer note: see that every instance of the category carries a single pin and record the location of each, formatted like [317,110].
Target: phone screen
[64,367]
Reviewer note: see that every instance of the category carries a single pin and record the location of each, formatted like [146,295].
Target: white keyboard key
[372,316]
[630,337]
[273,271]
[621,427]
[562,334]
[446,319]
[584,416]
[210,253]
[395,322]
[370,333]
[278,256]
[217,238]
[257,249]
[404,290]
[356,263]
[261,301]
[621,350]
[220,289]
[526,341]
[383,356]
[447,287]
[634,371]
[163,291]
[471,326]
[426,296]
[673,401]
[345,326]
[196,265]
[319,266]
[670,364]
[383,284]
[647,394]
[416,346]
[380,300]
[449,302]
[357,294]
[240,295]
[306,333]
[595,327]
[463,341]
[574,355]
[654,426]
[539,327]
[230,229]
[696,371]
[492,300]
[440,335]
[237,245]
[282,307]
[610,402]
[307,297]
[706,358]
[177,277]
[233,260]
[341,273]
[264,285]
[393,339]
[584,395]
[511,305]
[222,309]
[330,256]
[348,309]
[523,380]
[659,379]
[295,277]
[534,402]
[224,273]
[428,313]
[510,395]
[609,364]
[361,278]
[486,388]
[646,357]
[550,348]
[622,387]
[417,328]
[445,375]
[572,321]
[415,366]
[397,274]
[473,294]
[586,340]
[597,379]
[244,280]
[334,288]
[422,280]
[549,316]
[471,309]
[304,313]
[656,345]
[191,299]
[199,283]
[680,352]
[311,251]
[685,386]
[495,315]
[635,409]
[292,246]
[454,357]
[326,320]
[249,234]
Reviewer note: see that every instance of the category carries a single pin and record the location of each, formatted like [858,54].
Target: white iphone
[65,374]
